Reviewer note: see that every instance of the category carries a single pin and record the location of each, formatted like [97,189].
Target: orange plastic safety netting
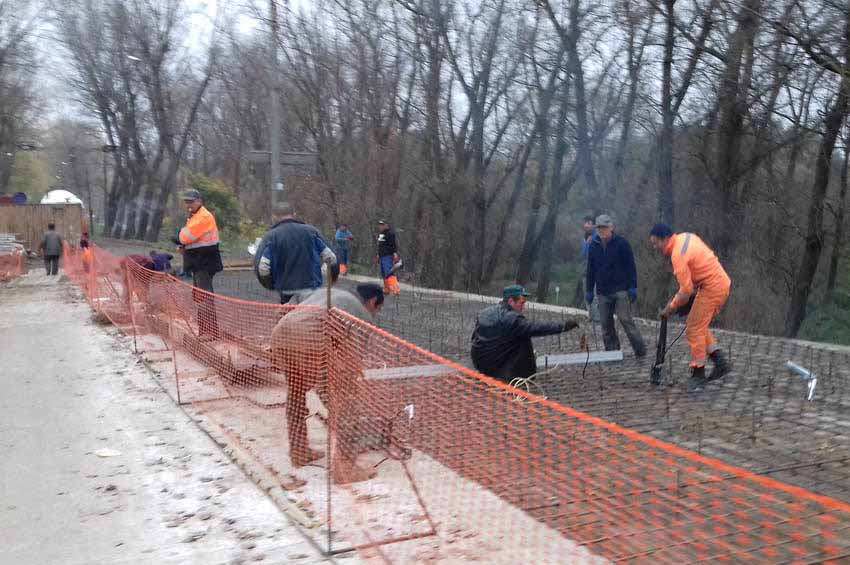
[12,265]
[407,457]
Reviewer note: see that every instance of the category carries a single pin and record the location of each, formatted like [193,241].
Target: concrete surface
[165,493]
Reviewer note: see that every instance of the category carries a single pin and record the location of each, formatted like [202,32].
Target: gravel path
[100,466]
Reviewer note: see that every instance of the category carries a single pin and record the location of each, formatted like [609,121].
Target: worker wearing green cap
[501,341]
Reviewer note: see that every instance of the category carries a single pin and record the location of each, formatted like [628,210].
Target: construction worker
[289,256]
[588,231]
[51,248]
[299,350]
[198,241]
[699,273]
[343,238]
[611,272]
[501,341]
[387,257]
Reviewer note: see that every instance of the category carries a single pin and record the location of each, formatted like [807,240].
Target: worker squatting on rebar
[699,272]
[501,341]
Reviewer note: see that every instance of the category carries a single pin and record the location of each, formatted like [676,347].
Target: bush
[218,199]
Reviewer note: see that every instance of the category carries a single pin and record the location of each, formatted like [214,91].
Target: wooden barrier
[29,222]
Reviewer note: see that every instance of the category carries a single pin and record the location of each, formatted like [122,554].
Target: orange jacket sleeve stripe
[694,264]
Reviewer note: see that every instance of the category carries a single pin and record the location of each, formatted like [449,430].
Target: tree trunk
[839,231]
[814,232]
[732,104]
[666,198]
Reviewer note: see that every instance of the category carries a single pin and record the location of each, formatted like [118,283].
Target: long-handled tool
[660,353]
[661,350]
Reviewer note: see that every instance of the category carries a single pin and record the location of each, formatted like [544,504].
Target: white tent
[60,197]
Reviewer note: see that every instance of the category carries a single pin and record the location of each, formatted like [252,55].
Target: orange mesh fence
[12,265]
[408,457]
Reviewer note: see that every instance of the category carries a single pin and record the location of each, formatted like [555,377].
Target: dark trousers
[342,254]
[619,303]
[207,320]
[51,264]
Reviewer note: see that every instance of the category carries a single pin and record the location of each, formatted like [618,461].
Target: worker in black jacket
[501,342]
[387,257]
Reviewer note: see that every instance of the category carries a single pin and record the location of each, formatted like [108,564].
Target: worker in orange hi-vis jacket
[198,241]
[701,276]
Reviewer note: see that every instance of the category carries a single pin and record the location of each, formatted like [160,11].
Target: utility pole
[274,112]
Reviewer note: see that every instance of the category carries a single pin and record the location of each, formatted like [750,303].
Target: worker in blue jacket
[611,272]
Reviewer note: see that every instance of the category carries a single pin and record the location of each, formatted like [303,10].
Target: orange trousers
[711,298]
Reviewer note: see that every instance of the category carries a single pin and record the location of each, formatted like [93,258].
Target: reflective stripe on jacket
[200,230]
[695,265]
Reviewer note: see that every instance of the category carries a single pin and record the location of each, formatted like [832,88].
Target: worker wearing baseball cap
[387,256]
[198,241]
[699,273]
[612,277]
[501,341]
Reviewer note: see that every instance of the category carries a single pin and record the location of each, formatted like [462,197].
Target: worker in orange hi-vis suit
[699,272]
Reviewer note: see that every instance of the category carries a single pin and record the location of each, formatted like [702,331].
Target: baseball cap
[383,222]
[191,195]
[604,221]
[514,291]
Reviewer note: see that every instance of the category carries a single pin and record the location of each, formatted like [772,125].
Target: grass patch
[828,322]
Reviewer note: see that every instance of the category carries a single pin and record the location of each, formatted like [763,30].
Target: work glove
[588,297]
[632,295]
[664,313]
[570,325]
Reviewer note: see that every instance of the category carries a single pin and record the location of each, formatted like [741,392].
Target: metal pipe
[806,375]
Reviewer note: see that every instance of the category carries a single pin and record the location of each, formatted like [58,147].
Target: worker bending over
[699,272]
[314,359]
[501,341]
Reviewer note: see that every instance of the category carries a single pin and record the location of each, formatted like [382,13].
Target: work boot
[722,366]
[346,472]
[697,380]
[302,456]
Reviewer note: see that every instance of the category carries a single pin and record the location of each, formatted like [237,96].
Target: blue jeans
[342,254]
[387,263]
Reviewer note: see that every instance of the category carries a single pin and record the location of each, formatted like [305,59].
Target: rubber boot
[697,380]
[391,283]
[722,366]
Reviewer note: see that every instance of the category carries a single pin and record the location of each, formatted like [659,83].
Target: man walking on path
[289,257]
[343,247]
[501,341]
[611,272]
[387,257]
[698,271]
[51,248]
[198,241]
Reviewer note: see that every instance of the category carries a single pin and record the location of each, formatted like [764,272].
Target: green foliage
[30,175]
[218,199]
[829,322]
